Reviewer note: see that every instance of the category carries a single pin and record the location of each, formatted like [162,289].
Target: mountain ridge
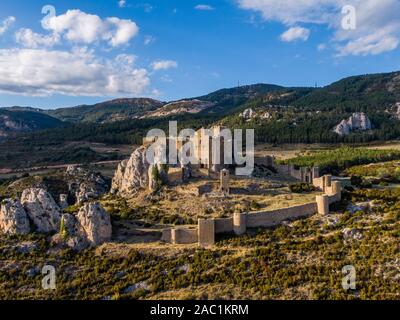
[368,93]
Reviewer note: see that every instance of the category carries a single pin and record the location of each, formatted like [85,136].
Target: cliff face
[41,209]
[132,174]
[357,122]
[90,227]
[13,218]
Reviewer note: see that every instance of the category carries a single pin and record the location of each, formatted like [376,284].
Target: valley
[138,231]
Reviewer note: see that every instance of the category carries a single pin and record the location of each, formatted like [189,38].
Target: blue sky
[91,51]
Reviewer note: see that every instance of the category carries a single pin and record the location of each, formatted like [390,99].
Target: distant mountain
[219,102]
[20,120]
[279,114]
[109,111]
[227,100]
[358,93]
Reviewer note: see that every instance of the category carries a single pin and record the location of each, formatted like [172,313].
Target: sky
[62,53]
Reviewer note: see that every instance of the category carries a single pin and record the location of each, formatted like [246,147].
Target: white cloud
[295,33]
[6,24]
[149,40]
[372,44]
[80,72]
[81,28]
[164,65]
[204,7]
[122,3]
[377,29]
[125,30]
[30,39]
[291,12]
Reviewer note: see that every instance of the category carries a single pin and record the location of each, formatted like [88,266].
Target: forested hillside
[288,115]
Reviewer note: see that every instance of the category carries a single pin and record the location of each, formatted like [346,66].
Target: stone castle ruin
[137,173]
[207,229]
[206,159]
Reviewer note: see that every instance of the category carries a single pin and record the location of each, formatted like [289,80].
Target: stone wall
[275,217]
[180,235]
[208,228]
[223,225]
[304,174]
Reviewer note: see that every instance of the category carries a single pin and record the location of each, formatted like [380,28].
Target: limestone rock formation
[132,174]
[13,218]
[95,222]
[72,233]
[397,110]
[85,185]
[90,227]
[41,209]
[359,121]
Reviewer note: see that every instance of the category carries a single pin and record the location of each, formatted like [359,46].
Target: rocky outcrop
[90,227]
[357,122]
[95,222]
[13,218]
[132,174]
[41,209]
[85,185]
[397,110]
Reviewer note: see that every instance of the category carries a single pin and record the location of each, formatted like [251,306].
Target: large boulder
[95,223]
[132,175]
[90,227]
[13,218]
[41,209]
[71,233]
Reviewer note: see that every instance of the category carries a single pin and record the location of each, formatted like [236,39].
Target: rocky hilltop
[83,225]
[132,174]
[359,121]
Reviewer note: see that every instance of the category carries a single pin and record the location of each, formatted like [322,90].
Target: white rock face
[74,236]
[95,222]
[13,218]
[90,227]
[132,175]
[41,209]
[397,112]
[357,122]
